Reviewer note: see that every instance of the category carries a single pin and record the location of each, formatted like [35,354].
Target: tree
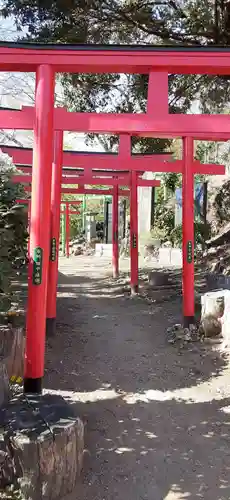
[129,21]
[13,232]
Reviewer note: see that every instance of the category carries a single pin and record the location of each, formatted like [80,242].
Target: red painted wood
[40,223]
[67,229]
[134,234]
[27,179]
[188,229]
[157,103]
[115,243]
[99,192]
[28,229]
[55,224]
[85,160]
[115,60]
[176,166]
[206,127]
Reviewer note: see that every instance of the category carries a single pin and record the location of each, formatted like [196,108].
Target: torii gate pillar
[134,233]
[63,230]
[67,231]
[55,234]
[115,257]
[39,230]
[188,232]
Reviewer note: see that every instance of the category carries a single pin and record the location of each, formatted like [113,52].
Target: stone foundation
[44,443]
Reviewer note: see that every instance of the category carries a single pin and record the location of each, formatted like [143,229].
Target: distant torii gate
[114,179]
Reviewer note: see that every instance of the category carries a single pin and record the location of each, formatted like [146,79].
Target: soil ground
[157,415]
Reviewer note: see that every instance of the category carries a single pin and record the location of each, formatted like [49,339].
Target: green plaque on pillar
[37,266]
[53,249]
[189,252]
[134,241]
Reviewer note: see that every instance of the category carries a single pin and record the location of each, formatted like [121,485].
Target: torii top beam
[162,167]
[115,59]
[92,181]
[83,190]
[84,159]
[203,127]
[152,163]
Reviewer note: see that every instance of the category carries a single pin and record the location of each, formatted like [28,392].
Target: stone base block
[158,278]
[215,314]
[103,249]
[45,441]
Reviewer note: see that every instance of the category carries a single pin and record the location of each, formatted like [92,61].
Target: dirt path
[157,417]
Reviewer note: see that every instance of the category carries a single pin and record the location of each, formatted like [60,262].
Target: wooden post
[67,229]
[55,234]
[188,232]
[39,230]
[115,257]
[134,233]
[63,229]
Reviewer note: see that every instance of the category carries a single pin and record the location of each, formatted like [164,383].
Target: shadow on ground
[157,416]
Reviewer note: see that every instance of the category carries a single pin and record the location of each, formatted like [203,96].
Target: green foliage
[165,221]
[202,233]
[221,204]
[171,181]
[130,21]
[164,218]
[13,233]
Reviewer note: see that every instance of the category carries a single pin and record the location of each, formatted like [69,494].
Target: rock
[77,251]
[178,333]
[158,278]
[214,303]
[215,316]
[6,341]
[151,251]
[210,326]
[46,445]
[167,244]
[7,472]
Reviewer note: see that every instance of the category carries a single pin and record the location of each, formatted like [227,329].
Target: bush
[221,204]
[164,221]
[201,233]
[13,233]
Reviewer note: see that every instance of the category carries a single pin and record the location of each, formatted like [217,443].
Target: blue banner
[198,201]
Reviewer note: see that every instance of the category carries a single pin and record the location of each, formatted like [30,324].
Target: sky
[17,89]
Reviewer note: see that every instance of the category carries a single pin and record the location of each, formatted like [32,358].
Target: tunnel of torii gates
[155,61]
[94,176]
[22,158]
[66,212]
[106,178]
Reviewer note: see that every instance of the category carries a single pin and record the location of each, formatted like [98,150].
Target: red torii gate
[155,61]
[93,176]
[115,180]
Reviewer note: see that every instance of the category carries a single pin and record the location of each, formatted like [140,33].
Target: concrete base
[45,442]
[188,320]
[215,317]
[50,327]
[134,290]
[104,249]
[158,278]
[170,257]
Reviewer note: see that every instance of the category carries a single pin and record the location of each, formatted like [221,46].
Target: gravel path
[157,417]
